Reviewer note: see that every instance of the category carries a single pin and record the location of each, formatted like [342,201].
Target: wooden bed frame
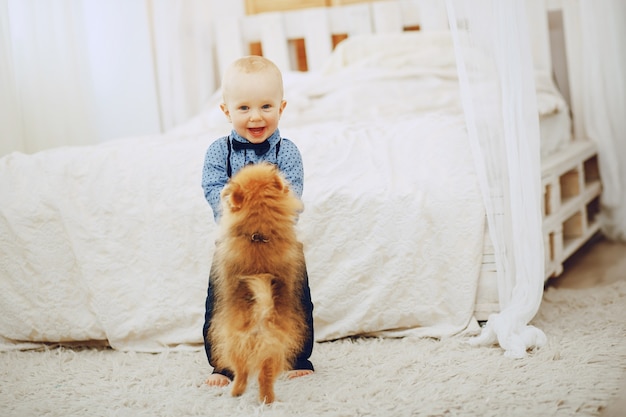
[303,40]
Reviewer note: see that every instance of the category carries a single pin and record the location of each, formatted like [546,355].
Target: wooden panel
[262,6]
[228,42]
[256,48]
[387,17]
[318,46]
[309,35]
[338,38]
[433,15]
[574,201]
[344,2]
[570,184]
[274,40]
[351,20]
[299,62]
[592,170]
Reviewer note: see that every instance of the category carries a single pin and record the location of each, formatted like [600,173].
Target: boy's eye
[243,108]
[267,106]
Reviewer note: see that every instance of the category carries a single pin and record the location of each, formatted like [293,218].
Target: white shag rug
[578,373]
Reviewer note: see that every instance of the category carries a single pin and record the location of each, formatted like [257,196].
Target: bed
[113,243]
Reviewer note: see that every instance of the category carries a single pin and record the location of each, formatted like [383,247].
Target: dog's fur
[258,324]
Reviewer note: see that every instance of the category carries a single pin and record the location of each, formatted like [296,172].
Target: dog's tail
[261,287]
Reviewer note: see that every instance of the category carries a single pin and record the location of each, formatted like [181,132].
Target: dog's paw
[239,387]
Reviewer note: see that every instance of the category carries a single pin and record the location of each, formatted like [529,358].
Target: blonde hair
[249,65]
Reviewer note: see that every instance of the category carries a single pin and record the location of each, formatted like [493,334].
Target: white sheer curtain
[44,77]
[603,99]
[11,135]
[183,53]
[496,73]
[76,72]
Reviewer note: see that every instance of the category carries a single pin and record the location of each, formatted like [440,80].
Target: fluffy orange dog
[258,325]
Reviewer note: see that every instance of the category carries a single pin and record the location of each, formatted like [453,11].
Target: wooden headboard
[302,39]
[312,33]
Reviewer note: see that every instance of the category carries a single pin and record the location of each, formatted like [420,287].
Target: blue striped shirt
[215,177]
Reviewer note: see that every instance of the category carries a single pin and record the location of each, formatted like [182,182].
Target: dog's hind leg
[267,377]
[239,384]
[240,381]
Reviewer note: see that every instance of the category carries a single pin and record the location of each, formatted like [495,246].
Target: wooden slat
[409,10]
[229,44]
[274,40]
[433,15]
[313,26]
[317,39]
[387,17]
[351,20]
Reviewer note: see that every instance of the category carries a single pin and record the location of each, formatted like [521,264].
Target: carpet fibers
[578,373]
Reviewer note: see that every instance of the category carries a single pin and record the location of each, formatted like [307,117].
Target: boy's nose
[255,115]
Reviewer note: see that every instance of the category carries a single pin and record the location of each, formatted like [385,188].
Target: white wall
[119,51]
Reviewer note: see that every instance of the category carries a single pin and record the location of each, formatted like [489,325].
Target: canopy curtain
[11,135]
[496,73]
[603,98]
[43,76]
[183,53]
[77,72]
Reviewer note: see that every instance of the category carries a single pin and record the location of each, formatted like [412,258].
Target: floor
[599,262]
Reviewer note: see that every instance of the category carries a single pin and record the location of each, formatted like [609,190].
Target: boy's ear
[225,110]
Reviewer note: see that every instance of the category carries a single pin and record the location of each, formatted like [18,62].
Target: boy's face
[253,103]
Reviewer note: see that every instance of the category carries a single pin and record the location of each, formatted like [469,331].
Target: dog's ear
[233,196]
[280,183]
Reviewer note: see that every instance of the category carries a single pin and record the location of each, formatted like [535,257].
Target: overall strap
[229,170]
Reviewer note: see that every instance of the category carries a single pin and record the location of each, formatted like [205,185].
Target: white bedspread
[114,242]
[109,242]
[393,227]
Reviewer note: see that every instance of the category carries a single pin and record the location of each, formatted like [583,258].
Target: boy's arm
[290,164]
[214,176]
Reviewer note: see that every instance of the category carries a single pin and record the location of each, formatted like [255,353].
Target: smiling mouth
[256,130]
